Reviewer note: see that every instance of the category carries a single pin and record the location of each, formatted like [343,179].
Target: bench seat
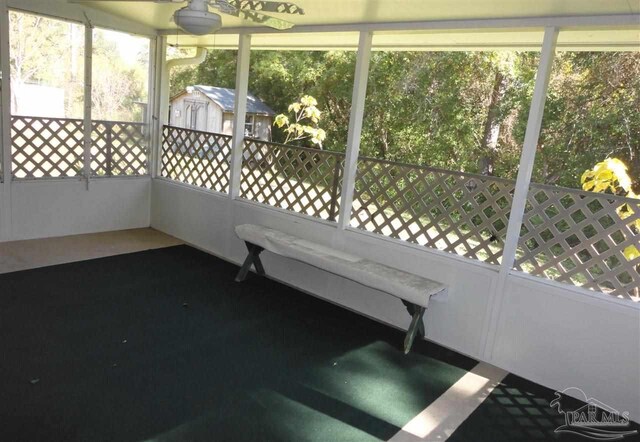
[414,290]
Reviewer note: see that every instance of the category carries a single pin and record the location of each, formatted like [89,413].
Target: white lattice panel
[580,238]
[196,158]
[119,149]
[46,147]
[455,212]
[299,179]
[54,148]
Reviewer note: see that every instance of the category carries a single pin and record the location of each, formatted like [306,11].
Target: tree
[503,66]
[116,86]
[46,51]
[591,113]
[464,111]
[306,117]
[50,52]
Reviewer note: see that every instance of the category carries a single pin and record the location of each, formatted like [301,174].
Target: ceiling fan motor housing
[196,18]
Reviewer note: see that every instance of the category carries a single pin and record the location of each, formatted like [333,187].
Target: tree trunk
[489,147]
[634,169]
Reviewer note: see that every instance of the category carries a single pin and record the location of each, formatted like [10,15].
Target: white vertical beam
[528,156]
[355,128]
[159,54]
[240,110]
[88,75]
[164,67]
[147,116]
[527,159]
[164,79]
[5,124]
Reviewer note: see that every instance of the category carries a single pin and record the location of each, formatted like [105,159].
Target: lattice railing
[581,238]
[46,147]
[303,180]
[54,148]
[196,158]
[452,211]
[119,148]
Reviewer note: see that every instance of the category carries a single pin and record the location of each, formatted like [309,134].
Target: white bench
[414,291]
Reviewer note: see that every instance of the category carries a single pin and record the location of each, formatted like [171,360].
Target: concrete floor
[29,254]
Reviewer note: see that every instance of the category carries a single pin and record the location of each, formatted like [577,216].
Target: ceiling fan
[196,18]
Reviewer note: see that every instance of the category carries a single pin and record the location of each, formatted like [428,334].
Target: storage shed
[210,109]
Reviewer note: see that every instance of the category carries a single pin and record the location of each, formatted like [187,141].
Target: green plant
[611,175]
[306,117]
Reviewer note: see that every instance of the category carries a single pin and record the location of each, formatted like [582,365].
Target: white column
[5,125]
[355,128]
[155,122]
[239,112]
[88,75]
[527,159]
[528,156]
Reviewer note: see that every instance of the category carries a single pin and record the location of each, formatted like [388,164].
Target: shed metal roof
[226,99]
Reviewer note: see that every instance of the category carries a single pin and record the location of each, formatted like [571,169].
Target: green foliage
[432,108]
[306,117]
[591,113]
[278,78]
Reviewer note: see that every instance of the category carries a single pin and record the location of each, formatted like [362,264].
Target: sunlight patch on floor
[440,419]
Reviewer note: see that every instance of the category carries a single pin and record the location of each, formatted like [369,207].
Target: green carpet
[163,345]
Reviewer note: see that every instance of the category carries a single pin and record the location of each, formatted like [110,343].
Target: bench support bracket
[252,258]
[417,325]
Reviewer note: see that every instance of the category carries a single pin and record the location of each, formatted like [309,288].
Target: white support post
[355,128]
[88,75]
[5,124]
[155,125]
[240,110]
[163,74]
[527,159]
[528,156]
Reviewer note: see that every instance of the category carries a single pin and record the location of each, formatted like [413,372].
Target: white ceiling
[354,13]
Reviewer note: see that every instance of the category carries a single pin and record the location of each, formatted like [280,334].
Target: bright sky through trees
[47,70]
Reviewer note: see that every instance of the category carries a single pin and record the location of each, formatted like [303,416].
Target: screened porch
[118,243]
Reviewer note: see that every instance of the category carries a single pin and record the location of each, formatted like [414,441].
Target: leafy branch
[611,175]
[306,117]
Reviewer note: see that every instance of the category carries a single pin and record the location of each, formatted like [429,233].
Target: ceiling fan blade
[267,6]
[226,7]
[266,20]
[131,1]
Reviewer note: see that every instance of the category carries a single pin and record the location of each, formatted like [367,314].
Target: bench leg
[416,327]
[252,258]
